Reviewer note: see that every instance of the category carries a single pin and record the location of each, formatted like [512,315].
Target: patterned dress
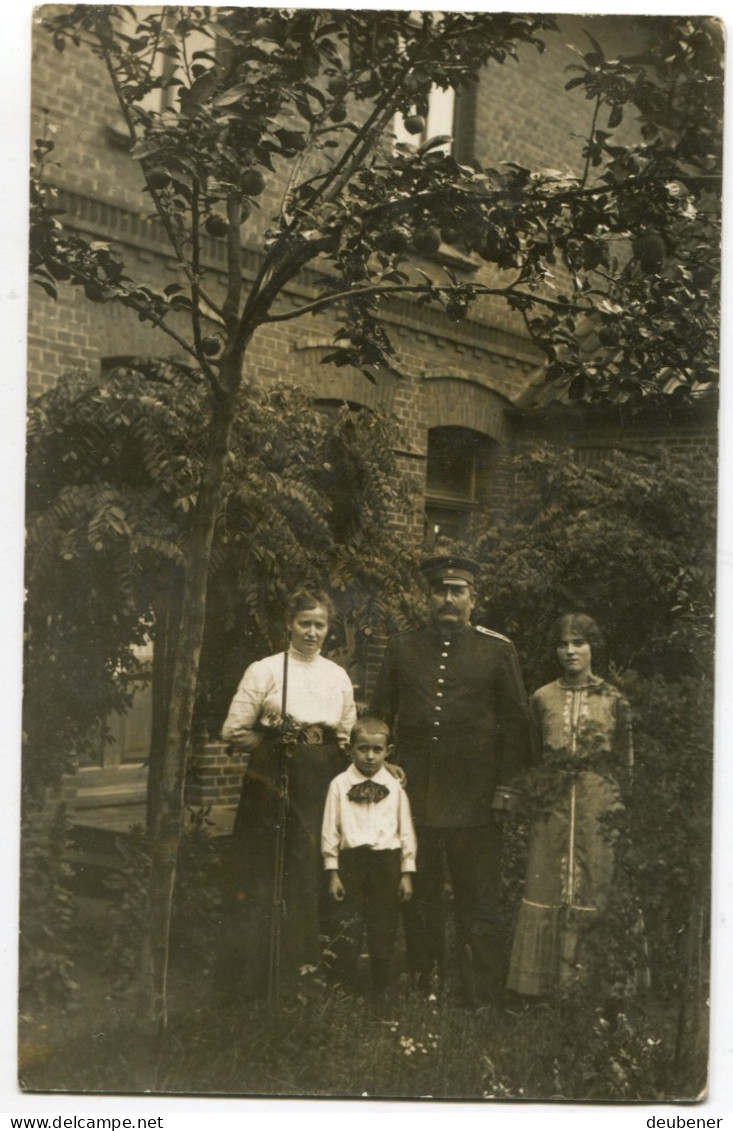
[583,738]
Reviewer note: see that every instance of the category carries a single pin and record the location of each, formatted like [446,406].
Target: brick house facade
[468,399]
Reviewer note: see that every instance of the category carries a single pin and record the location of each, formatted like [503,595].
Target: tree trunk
[167,623]
[167,820]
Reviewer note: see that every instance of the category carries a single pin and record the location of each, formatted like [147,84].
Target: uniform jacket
[458,709]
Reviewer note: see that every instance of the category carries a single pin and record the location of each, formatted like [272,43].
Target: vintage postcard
[373,369]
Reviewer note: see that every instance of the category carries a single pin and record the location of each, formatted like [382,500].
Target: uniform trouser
[472,857]
[371,880]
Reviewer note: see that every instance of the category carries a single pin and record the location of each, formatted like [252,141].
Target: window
[450,114]
[126,737]
[458,480]
[445,117]
[451,463]
[440,121]
[116,773]
[129,732]
[155,62]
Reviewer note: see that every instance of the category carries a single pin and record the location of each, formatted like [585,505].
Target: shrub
[48,914]
[196,902]
[632,542]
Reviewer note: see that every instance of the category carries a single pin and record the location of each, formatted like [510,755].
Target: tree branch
[127,299]
[416,288]
[259,302]
[594,121]
[173,238]
[230,306]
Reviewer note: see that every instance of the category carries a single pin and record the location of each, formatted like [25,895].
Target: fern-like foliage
[114,470]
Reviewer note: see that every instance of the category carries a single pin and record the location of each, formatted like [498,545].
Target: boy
[368,845]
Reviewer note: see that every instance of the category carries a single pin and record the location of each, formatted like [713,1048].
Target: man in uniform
[454,696]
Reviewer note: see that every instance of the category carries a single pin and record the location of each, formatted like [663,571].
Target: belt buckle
[313,736]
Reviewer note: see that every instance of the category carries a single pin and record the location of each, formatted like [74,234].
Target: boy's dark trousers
[371,879]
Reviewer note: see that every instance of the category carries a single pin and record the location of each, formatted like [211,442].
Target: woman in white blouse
[293,712]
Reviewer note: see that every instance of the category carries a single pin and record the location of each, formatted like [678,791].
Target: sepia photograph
[371,504]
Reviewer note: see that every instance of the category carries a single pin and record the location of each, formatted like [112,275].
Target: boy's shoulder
[395,784]
[342,777]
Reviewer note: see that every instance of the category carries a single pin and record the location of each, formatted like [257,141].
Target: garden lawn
[324,1043]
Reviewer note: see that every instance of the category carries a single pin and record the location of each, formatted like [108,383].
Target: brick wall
[465,374]
[591,433]
[455,373]
[214,777]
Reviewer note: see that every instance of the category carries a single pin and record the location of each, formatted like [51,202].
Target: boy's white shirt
[385,824]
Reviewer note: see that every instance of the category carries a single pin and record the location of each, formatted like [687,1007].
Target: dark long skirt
[244,957]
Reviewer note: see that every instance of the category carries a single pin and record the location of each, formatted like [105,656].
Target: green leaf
[616,117]
[234,94]
[435,143]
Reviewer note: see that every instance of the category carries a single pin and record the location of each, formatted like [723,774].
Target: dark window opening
[451,463]
[458,480]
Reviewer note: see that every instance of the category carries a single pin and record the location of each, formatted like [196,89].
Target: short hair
[370,724]
[303,598]
[579,623]
[583,626]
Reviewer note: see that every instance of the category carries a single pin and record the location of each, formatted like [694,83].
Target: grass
[324,1043]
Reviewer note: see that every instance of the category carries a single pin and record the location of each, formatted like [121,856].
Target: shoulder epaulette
[490,632]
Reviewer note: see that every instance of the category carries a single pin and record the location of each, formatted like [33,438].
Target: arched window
[458,480]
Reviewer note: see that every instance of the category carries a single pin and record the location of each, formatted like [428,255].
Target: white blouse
[319,692]
[378,825]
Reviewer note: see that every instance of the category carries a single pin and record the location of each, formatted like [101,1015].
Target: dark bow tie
[367,791]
